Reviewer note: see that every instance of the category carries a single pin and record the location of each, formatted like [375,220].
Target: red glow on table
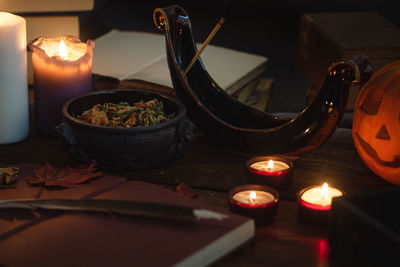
[323,249]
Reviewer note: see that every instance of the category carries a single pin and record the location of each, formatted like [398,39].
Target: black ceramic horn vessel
[239,127]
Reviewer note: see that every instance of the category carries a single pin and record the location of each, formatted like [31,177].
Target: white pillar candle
[14,105]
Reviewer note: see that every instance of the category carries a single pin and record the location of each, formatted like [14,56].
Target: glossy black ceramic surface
[239,127]
[124,148]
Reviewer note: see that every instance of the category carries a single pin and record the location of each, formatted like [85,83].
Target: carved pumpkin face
[376,123]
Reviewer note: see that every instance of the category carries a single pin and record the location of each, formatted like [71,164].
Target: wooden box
[326,37]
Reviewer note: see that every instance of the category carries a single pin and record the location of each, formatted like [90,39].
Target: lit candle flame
[62,50]
[270,165]
[324,191]
[253,196]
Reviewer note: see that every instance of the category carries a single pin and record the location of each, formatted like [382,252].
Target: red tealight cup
[256,201]
[274,171]
[314,203]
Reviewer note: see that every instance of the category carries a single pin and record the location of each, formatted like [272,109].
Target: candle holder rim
[86,56]
[301,192]
[246,187]
[284,159]
[313,206]
[262,206]
[68,37]
[75,121]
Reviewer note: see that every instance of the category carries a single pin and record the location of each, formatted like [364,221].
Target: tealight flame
[253,196]
[62,50]
[270,165]
[324,191]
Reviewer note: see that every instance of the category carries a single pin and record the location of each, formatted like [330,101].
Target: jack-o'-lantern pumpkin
[376,123]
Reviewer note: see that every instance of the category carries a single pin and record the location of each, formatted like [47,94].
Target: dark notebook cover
[87,239]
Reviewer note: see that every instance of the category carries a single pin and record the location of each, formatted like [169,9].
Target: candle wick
[58,58]
[253,196]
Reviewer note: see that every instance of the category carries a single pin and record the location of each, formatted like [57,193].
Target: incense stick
[209,38]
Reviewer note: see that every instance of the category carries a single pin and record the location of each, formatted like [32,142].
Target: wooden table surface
[211,171]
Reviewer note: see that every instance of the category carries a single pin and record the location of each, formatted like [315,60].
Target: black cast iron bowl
[124,148]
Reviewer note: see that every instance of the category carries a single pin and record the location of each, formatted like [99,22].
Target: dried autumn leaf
[43,174]
[67,177]
[185,190]
[9,170]
[8,176]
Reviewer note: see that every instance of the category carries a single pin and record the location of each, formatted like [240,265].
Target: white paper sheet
[139,55]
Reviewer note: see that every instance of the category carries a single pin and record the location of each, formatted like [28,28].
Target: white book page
[158,72]
[227,66]
[119,54]
[136,55]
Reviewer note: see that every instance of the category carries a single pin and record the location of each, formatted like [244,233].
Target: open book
[142,56]
[90,239]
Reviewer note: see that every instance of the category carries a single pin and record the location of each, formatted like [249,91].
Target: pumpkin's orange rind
[381,155]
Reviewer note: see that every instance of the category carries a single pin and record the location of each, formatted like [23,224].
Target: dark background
[268,28]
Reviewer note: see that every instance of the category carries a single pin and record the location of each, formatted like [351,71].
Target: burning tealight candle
[256,201]
[315,203]
[62,70]
[269,166]
[270,170]
[250,198]
[14,104]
